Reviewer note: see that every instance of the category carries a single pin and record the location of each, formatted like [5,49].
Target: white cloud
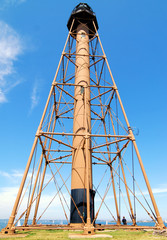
[8,197]
[34,97]
[154,190]
[2,97]
[15,176]
[11,46]
[4,174]
[159,190]
[8,3]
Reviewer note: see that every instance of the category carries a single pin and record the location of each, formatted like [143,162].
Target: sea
[3,222]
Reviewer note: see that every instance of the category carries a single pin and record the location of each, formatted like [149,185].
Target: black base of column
[79,197]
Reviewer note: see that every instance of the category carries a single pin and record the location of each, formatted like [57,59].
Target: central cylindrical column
[81,178]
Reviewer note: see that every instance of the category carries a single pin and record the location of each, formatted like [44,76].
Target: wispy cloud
[15,175]
[154,190]
[8,197]
[160,190]
[10,3]
[11,46]
[34,96]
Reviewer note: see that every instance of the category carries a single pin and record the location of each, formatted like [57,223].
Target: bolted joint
[114,87]
[131,137]
[102,118]
[38,133]
[89,229]
[86,136]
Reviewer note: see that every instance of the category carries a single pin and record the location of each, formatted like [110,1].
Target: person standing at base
[124,221]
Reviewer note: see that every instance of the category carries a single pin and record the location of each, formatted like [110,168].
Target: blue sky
[32,36]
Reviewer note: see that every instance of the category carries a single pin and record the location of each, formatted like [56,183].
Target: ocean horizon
[3,222]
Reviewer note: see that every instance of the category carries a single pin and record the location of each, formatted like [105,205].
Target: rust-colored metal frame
[46,136]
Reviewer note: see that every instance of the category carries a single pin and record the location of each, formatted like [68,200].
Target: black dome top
[83,7]
[83,13]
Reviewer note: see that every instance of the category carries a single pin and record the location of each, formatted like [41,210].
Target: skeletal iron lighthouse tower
[83,163]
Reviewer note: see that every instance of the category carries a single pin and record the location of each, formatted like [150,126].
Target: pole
[81,179]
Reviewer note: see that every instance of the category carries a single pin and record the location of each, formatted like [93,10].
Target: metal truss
[113,148]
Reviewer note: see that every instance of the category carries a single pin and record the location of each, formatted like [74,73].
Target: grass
[61,234]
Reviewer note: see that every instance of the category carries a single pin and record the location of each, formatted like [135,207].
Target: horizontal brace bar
[84,55]
[66,117]
[100,119]
[111,87]
[99,105]
[60,162]
[88,134]
[73,118]
[65,103]
[58,150]
[66,84]
[72,84]
[96,163]
[105,152]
